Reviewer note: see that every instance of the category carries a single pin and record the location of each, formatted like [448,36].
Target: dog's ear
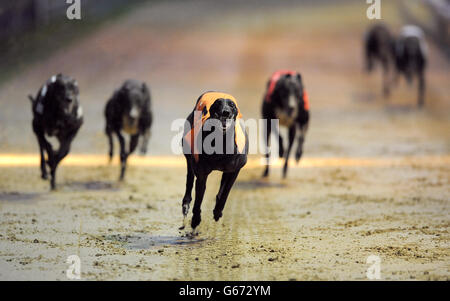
[146,92]
[299,77]
[58,78]
[234,109]
[75,86]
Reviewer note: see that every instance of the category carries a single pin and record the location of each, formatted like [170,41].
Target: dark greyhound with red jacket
[286,100]
[56,113]
[228,151]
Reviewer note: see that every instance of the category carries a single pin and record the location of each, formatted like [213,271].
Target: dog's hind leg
[226,183]
[200,186]
[292,131]
[111,143]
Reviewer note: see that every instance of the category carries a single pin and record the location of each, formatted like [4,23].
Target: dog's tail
[31,98]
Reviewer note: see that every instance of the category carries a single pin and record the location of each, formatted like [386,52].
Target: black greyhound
[286,100]
[219,111]
[411,60]
[128,111]
[56,113]
[379,47]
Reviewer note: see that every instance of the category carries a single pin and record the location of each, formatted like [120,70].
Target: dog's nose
[290,111]
[226,114]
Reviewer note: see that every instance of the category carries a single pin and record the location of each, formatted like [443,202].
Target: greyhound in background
[379,47]
[411,58]
[286,100]
[128,111]
[56,113]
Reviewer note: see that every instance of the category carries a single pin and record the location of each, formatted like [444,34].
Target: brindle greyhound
[128,110]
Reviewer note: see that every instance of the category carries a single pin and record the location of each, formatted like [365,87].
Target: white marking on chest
[53,140]
[79,112]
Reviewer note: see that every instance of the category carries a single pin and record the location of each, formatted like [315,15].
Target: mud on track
[321,223]
[375,179]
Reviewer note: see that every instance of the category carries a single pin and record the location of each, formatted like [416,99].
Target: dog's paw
[217,215]
[196,219]
[185,208]
[298,155]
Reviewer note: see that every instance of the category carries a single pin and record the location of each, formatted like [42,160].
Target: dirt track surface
[382,187]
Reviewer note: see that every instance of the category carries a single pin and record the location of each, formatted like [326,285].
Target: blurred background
[183,48]
[374,180]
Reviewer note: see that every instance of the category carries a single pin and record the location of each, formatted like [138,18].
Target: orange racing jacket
[206,101]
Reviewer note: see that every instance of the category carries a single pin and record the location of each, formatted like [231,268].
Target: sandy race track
[375,179]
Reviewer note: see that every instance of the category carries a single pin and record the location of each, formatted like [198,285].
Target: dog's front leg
[292,131]
[58,157]
[64,148]
[301,140]
[200,186]
[50,161]
[276,131]
[42,148]
[123,155]
[226,183]
[133,144]
[188,193]
[145,139]
[386,80]
[189,184]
